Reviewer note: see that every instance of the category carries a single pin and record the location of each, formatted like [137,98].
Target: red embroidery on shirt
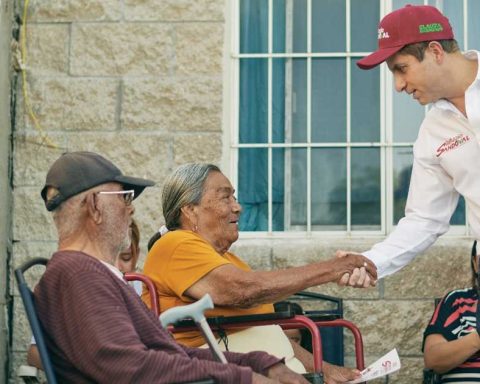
[455,315]
[452,143]
[463,300]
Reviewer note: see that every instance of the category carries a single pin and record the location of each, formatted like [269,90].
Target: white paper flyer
[382,367]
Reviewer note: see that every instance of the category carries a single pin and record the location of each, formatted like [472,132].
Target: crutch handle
[195,311]
[192,311]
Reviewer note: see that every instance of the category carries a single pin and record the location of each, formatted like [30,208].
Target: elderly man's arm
[232,286]
[101,341]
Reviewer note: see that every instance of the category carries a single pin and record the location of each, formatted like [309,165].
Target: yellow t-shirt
[177,261]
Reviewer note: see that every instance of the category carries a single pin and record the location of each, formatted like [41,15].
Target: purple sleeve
[98,325]
[260,362]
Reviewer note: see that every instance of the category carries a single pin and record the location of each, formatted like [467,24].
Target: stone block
[22,333]
[199,48]
[27,250]
[114,49]
[33,157]
[445,266]
[31,221]
[149,216]
[388,324]
[47,49]
[257,256]
[173,105]
[74,10]
[74,104]
[205,148]
[175,10]
[140,155]
[301,252]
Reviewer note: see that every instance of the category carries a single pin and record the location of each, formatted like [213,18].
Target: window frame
[386,144]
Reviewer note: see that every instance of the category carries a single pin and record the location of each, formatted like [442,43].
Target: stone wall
[137,80]
[141,82]
[6,11]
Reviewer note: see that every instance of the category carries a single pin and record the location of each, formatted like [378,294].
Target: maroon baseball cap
[407,25]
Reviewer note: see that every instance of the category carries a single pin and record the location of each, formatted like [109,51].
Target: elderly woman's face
[218,212]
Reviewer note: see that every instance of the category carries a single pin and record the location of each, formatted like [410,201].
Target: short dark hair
[418,49]
[473,255]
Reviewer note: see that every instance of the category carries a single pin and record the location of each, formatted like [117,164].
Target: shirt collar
[115,271]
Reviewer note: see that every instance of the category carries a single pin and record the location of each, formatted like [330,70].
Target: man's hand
[360,276]
[335,374]
[280,373]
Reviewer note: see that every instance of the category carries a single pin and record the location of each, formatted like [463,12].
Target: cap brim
[377,57]
[135,183]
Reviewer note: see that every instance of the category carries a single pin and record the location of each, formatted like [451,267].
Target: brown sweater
[98,330]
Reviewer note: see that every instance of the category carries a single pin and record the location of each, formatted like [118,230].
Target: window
[319,145]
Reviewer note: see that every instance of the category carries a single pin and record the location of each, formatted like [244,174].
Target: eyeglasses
[128,196]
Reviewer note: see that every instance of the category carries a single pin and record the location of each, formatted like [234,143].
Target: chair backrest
[29,303]
[327,308]
[133,276]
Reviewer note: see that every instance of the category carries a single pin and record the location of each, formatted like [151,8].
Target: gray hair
[68,217]
[183,187]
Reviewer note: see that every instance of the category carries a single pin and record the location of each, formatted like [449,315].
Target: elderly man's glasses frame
[128,195]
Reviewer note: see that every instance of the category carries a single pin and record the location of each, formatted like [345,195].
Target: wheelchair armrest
[218,321]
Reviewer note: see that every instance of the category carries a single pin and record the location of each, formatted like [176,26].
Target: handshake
[360,272]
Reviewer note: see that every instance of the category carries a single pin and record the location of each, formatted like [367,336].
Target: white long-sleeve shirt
[446,165]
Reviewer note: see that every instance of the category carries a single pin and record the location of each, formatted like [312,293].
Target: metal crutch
[195,311]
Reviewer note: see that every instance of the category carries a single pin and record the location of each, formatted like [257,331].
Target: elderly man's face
[117,216]
[218,212]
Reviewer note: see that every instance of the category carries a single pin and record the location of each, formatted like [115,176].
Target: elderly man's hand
[361,276]
[280,373]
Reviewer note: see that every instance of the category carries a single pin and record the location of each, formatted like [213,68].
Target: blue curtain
[253,121]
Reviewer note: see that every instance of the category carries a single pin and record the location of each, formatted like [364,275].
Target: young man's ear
[437,50]
[93,210]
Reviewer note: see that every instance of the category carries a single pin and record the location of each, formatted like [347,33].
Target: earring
[195,228]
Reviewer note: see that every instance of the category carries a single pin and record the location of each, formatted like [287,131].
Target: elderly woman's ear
[188,217]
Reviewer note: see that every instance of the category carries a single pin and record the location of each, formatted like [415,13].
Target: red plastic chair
[134,276]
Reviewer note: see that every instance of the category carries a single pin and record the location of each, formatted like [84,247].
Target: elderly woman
[192,259]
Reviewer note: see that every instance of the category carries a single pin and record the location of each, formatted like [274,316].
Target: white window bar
[309,117]
[349,123]
[269,113]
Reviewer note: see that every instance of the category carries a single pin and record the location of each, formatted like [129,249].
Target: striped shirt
[99,331]
[455,317]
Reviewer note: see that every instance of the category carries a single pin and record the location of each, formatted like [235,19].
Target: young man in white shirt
[417,44]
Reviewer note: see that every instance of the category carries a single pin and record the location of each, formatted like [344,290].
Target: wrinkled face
[420,79]
[218,212]
[117,216]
